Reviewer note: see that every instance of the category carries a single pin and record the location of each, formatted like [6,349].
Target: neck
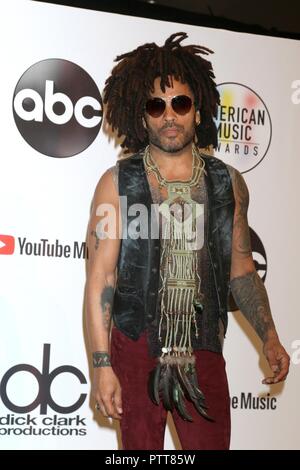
[169,161]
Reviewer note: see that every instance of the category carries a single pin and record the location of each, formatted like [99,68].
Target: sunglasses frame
[169,100]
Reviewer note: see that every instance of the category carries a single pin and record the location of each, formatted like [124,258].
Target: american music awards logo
[244,126]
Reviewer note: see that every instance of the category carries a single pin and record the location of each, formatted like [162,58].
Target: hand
[278,359]
[107,392]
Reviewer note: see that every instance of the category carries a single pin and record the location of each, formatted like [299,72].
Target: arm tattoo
[101,359]
[106,305]
[241,228]
[251,297]
[93,232]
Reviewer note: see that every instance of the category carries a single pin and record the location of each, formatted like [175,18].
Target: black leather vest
[136,293]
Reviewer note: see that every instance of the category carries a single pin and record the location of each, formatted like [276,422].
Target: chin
[174,147]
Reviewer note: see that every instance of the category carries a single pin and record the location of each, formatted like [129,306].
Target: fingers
[283,368]
[118,401]
[269,380]
[272,360]
[109,407]
[279,362]
[274,380]
[112,411]
[100,407]
[280,369]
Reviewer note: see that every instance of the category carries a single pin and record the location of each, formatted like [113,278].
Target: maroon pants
[143,423]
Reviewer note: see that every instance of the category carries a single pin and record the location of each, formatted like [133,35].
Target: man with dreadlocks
[167,291]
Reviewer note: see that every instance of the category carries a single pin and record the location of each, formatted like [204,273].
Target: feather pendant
[171,383]
[186,384]
[193,394]
[166,383]
[153,384]
[178,400]
[192,375]
[201,410]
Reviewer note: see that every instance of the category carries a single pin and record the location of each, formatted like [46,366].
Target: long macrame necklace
[175,375]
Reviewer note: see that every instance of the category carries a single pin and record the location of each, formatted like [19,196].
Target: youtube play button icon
[7,244]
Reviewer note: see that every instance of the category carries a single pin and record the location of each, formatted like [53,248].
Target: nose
[169,113]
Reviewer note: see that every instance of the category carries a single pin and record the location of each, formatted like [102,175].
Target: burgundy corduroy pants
[143,423]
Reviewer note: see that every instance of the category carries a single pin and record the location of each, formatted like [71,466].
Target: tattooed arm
[248,289]
[103,247]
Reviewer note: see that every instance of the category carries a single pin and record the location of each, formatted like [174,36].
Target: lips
[170,131]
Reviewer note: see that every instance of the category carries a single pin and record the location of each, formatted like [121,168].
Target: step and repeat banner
[54,148]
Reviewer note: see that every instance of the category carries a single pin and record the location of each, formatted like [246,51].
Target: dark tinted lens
[181,104]
[155,107]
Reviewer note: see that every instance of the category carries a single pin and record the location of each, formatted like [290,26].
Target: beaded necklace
[180,280]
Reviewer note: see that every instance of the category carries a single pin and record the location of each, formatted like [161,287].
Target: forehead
[177,88]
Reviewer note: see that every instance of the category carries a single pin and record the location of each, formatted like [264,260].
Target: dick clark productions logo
[44,379]
[57,108]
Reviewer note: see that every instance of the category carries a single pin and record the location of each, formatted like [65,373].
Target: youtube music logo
[42,247]
[7,245]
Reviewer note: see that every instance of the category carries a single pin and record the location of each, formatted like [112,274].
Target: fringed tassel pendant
[174,378]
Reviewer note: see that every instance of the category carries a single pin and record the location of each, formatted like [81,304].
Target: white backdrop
[41,298]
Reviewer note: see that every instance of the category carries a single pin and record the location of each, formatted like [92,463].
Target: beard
[171,144]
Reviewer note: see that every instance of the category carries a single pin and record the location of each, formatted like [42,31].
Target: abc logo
[57,108]
[44,379]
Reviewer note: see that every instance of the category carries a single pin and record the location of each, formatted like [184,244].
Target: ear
[197,117]
[144,123]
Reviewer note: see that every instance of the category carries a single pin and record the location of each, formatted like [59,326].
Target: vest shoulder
[114,170]
[131,159]
[215,161]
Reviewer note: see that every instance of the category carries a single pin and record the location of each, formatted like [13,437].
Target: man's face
[171,132]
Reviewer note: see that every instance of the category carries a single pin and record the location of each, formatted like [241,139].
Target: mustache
[171,125]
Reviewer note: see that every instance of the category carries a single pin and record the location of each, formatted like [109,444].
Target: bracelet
[101,359]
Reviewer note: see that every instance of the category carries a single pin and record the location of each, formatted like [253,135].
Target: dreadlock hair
[132,79]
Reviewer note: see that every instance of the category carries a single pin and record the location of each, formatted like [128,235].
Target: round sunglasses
[181,104]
